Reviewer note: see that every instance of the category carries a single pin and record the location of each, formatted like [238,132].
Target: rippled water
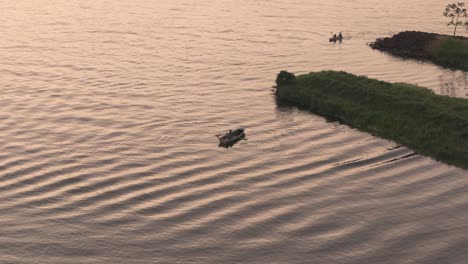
[109,111]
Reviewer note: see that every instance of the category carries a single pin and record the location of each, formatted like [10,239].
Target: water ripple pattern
[108,122]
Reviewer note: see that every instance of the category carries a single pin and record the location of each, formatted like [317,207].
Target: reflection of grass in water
[430,124]
[452,51]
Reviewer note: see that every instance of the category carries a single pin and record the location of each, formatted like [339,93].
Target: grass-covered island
[441,49]
[413,116]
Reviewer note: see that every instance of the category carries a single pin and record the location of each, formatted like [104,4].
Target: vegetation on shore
[413,116]
[441,49]
[452,52]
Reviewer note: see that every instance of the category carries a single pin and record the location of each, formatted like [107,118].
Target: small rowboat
[231,137]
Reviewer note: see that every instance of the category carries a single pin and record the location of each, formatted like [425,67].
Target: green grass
[452,52]
[413,116]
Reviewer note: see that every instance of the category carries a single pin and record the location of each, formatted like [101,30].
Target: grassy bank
[430,124]
[452,52]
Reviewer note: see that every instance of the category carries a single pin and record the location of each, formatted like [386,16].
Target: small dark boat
[231,137]
[335,39]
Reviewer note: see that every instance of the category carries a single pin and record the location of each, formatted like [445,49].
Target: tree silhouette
[454,11]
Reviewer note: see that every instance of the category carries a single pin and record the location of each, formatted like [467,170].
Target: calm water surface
[109,111]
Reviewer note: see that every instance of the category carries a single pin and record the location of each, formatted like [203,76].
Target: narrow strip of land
[413,116]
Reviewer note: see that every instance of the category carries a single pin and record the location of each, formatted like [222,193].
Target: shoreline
[413,116]
[444,50]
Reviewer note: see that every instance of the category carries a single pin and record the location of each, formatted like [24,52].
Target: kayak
[335,39]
